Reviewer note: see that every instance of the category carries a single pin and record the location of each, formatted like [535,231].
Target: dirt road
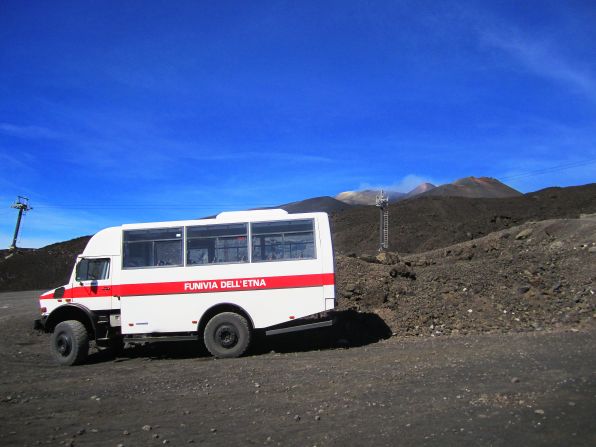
[513,389]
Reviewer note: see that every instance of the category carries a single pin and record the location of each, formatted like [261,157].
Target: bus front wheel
[70,343]
[227,335]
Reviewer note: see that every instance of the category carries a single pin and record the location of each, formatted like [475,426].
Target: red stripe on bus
[202,286]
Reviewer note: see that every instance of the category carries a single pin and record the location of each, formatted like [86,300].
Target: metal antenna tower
[382,201]
[21,204]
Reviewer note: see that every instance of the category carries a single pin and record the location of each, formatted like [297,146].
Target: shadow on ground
[351,329]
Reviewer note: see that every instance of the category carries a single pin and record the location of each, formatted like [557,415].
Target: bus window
[285,240]
[216,244]
[152,248]
[92,269]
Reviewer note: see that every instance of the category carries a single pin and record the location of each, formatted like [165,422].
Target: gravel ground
[489,389]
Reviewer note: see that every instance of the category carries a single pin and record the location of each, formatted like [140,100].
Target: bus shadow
[351,329]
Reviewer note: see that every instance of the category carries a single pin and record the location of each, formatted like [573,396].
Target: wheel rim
[226,336]
[63,344]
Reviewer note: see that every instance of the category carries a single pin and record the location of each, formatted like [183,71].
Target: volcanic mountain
[473,187]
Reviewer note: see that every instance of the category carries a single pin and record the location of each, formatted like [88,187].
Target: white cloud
[250,155]
[32,132]
[540,57]
[406,184]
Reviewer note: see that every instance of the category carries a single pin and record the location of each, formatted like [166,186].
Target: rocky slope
[529,277]
[43,268]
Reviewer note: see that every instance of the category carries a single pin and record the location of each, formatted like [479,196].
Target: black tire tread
[213,348]
[80,343]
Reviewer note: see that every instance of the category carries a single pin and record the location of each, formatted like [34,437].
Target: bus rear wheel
[69,343]
[227,335]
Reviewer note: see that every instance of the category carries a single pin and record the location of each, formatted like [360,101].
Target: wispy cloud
[132,148]
[14,170]
[539,56]
[251,155]
[405,184]
[297,157]
[11,162]
[28,131]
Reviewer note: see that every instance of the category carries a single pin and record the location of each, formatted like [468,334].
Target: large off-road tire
[227,335]
[69,343]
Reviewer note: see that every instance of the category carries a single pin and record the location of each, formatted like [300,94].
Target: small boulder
[387,258]
[403,271]
[524,234]
[369,258]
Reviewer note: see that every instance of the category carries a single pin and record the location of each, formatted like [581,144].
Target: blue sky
[117,112]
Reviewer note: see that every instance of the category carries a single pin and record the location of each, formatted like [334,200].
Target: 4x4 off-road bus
[216,279]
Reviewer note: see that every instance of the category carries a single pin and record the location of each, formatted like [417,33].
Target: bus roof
[108,240]
[226,216]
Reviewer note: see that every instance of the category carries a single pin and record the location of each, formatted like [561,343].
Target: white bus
[218,279]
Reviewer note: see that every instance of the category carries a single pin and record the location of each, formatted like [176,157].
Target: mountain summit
[420,189]
[471,187]
[474,187]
